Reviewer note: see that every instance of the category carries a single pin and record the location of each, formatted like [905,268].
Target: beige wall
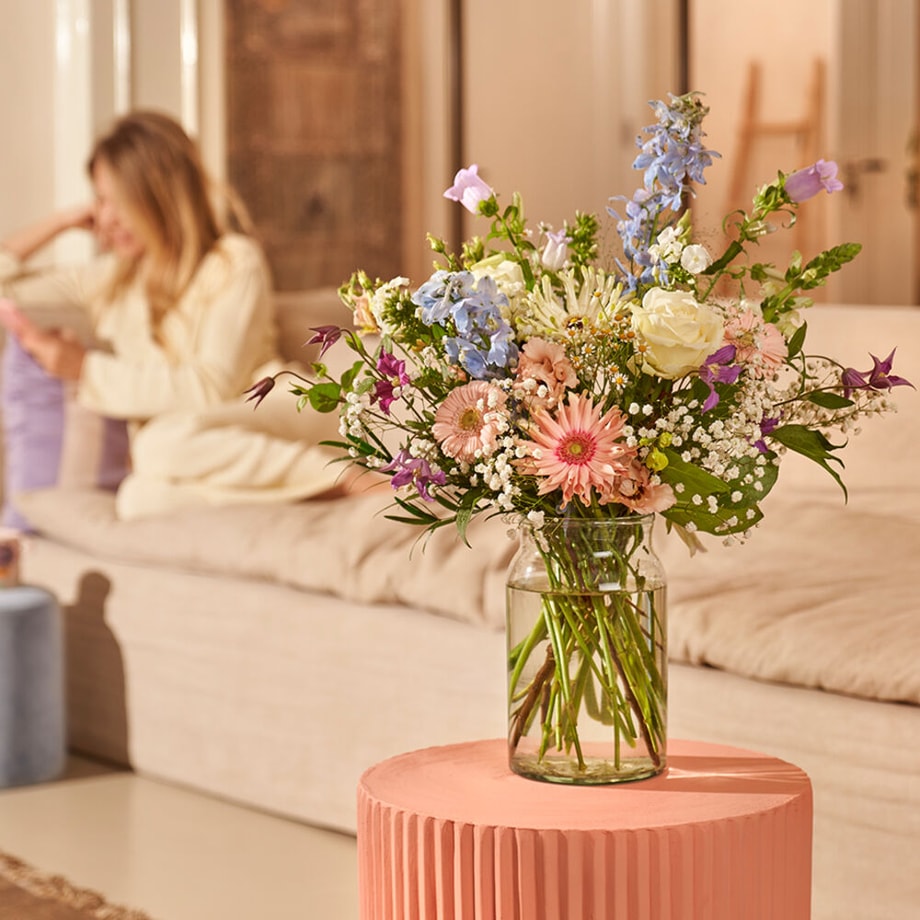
[556,94]
[27,78]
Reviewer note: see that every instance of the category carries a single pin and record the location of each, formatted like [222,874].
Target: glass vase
[587,652]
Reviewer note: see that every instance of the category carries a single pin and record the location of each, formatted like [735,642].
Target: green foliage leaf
[829,400]
[811,444]
[798,340]
[324,397]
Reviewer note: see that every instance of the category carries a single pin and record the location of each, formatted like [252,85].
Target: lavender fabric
[32,408]
[47,438]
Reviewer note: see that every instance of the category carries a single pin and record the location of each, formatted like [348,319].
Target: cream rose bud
[695,258]
[679,333]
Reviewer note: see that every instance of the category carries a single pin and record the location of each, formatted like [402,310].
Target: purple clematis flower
[719,369]
[767,425]
[326,337]
[394,375]
[469,189]
[806,183]
[409,470]
[878,378]
[258,391]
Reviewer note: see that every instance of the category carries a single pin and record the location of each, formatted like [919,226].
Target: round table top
[471,783]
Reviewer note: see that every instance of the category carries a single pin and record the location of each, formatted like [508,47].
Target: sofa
[269,654]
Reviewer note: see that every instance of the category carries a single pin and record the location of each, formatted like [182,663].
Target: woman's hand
[58,351]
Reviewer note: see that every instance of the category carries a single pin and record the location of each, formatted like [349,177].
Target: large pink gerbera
[466,424]
[578,449]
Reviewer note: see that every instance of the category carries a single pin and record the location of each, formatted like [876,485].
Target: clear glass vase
[587,652]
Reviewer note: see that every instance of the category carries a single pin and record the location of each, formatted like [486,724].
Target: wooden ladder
[806,132]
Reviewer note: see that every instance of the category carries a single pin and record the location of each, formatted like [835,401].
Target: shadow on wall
[96,711]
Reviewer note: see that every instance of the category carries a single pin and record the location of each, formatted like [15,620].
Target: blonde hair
[159,172]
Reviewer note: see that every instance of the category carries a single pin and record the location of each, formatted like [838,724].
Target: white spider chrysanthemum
[547,313]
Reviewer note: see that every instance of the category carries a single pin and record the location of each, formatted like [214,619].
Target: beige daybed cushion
[344,547]
[824,595]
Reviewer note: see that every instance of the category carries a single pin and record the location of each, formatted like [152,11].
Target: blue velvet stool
[33,742]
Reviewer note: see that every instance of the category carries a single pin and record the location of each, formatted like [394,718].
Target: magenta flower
[878,378]
[258,391]
[409,470]
[767,426]
[469,189]
[806,183]
[394,376]
[719,369]
[326,337]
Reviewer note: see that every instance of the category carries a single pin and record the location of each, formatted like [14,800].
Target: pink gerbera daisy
[578,450]
[758,344]
[467,422]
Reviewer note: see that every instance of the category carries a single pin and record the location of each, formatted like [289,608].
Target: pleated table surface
[450,833]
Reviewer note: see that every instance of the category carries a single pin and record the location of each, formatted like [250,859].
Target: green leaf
[325,397]
[348,377]
[696,480]
[829,400]
[811,444]
[797,340]
[732,514]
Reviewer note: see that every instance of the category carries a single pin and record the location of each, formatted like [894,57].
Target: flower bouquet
[584,393]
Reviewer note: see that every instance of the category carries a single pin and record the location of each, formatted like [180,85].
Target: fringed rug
[29,894]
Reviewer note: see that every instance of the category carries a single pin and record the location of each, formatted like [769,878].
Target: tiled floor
[175,853]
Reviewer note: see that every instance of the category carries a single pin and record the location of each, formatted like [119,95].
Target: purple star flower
[409,470]
[394,375]
[326,337]
[878,378]
[718,369]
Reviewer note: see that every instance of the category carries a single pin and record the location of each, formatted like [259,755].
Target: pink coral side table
[449,833]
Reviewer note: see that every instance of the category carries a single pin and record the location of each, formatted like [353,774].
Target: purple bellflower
[806,183]
[469,189]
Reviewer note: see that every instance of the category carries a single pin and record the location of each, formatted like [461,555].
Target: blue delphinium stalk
[672,157]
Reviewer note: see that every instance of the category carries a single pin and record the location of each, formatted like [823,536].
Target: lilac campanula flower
[469,189]
[326,337]
[878,378]
[393,376]
[556,249]
[719,369]
[806,183]
[409,470]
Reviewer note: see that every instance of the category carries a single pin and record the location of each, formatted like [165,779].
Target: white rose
[506,274]
[695,258]
[678,332]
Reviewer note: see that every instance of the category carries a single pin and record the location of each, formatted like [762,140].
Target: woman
[183,311]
